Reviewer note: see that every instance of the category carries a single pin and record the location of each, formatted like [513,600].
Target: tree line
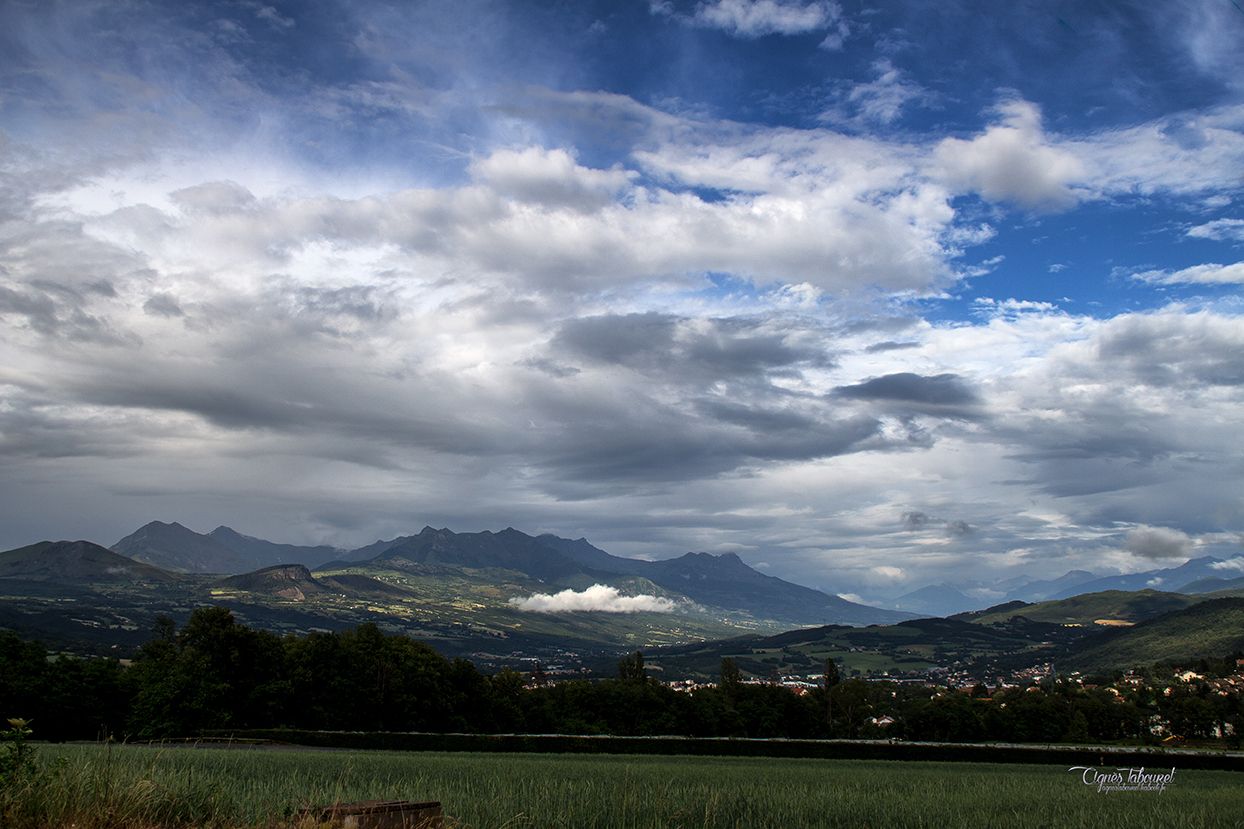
[215,674]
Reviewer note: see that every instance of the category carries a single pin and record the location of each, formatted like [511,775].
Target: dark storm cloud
[163,305]
[915,520]
[959,528]
[630,339]
[326,412]
[58,319]
[1171,351]
[756,418]
[549,367]
[905,387]
[672,447]
[698,399]
[699,351]
[889,345]
[905,393]
[1157,542]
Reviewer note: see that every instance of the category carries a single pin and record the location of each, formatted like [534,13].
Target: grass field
[138,787]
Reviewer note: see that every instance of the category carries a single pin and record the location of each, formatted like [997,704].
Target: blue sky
[875,296]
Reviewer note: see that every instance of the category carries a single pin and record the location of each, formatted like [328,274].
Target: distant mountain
[936,600]
[1089,609]
[1168,579]
[223,550]
[77,562]
[1213,585]
[266,553]
[1039,591]
[285,581]
[174,547]
[1213,628]
[726,581]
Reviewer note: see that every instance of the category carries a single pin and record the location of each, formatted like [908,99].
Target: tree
[730,679]
[631,668]
[832,678]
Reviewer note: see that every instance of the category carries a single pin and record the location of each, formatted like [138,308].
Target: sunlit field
[125,786]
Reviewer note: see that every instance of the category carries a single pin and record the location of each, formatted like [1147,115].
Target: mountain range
[470,594]
[714,581]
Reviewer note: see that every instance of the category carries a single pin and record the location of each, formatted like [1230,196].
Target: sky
[873,295]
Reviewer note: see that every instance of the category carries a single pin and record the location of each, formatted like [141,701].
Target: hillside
[284,581]
[77,562]
[1213,628]
[1090,609]
[913,645]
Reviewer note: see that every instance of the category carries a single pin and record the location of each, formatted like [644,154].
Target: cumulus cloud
[1014,161]
[1157,542]
[598,598]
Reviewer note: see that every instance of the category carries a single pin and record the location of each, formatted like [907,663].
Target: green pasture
[91,787]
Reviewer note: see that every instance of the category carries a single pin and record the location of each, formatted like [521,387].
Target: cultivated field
[92,787]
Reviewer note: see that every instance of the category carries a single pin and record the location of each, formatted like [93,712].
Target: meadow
[98,787]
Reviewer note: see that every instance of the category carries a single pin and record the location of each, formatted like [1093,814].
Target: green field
[150,787]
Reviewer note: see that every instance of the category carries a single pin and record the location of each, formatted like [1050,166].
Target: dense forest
[216,674]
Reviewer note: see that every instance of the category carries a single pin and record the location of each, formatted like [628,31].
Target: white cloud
[1235,565]
[1014,161]
[598,598]
[550,177]
[879,101]
[1195,155]
[1207,274]
[1220,230]
[1011,307]
[756,18]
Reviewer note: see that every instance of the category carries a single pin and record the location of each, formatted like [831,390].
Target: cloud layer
[818,286]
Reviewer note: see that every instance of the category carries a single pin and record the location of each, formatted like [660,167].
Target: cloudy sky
[874,295]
